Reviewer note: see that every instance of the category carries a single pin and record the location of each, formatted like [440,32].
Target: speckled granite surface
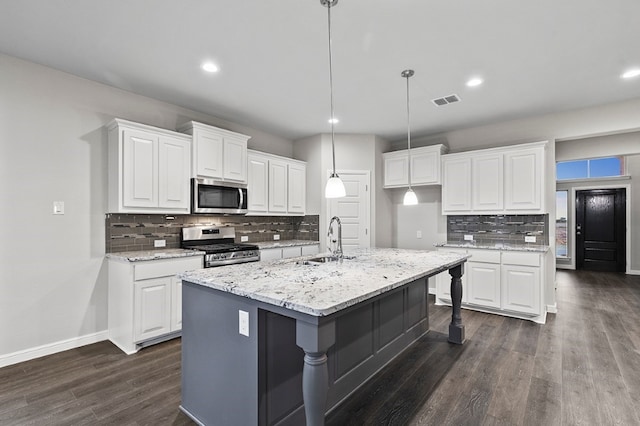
[326,288]
[506,247]
[285,243]
[137,256]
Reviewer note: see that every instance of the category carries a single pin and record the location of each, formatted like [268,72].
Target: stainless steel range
[219,245]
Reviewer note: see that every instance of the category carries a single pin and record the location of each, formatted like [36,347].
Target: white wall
[622,117]
[53,148]
[353,152]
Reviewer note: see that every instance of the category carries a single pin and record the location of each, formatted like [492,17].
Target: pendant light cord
[408,131]
[331,119]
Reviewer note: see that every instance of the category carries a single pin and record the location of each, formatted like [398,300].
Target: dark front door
[601,230]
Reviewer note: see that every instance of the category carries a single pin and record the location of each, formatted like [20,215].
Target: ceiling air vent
[446,100]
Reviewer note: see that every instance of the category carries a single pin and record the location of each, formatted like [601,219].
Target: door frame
[572,224]
[367,206]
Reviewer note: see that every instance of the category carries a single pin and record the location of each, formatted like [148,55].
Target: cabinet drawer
[519,258]
[486,256]
[165,267]
[309,250]
[288,252]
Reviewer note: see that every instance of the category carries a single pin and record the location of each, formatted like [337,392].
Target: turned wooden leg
[315,382]
[456,328]
[315,340]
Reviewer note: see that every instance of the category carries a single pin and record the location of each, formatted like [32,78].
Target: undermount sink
[323,259]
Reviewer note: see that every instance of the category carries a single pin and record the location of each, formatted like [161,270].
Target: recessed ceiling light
[334,120]
[631,73]
[474,82]
[210,67]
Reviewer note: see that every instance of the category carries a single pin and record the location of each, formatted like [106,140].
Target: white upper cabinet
[149,169]
[456,184]
[276,185]
[258,183]
[487,187]
[297,188]
[495,181]
[425,166]
[217,153]
[396,169]
[524,179]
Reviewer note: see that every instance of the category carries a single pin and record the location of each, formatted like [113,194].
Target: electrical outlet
[468,237]
[418,234]
[530,239]
[58,207]
[276,237]
[243,323]
[159,243]
[244,239]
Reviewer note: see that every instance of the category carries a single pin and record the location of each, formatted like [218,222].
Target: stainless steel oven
[210,196]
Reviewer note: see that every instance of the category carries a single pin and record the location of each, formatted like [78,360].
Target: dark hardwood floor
[581,368]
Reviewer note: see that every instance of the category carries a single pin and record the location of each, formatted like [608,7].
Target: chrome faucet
[338,251]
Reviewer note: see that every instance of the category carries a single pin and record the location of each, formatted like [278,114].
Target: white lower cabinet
[503,282]
[521,283]
[288,252]
[443,281]
[483,280]
[145,300]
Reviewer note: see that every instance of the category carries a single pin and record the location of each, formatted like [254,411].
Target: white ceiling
[536,57]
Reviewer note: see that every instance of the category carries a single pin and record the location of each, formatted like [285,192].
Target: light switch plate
[418,234]
[159,243]
[243,323]
[58,207]
[530,239]
[276,237]
[244,239]
[468,237]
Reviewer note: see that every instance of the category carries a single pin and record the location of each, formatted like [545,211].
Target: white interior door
[353,210]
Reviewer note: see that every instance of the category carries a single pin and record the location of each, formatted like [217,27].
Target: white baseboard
[432,291]
[552,309]
[633,272]
[51,348]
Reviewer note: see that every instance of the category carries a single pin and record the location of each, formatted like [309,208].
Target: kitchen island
[286,341]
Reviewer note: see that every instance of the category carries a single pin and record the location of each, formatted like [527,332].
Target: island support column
[456,328]
[315,340]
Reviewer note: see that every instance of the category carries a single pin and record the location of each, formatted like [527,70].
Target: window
[589,169]
[562,204]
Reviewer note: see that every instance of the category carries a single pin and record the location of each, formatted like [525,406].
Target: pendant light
[335,186]
[410,198]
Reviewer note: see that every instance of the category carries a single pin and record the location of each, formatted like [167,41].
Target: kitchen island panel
[229,378]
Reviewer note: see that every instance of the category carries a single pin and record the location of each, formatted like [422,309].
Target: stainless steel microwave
[211,196]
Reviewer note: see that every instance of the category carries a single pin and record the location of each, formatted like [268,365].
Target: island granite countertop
[496,246]
[143,255]
[323,289]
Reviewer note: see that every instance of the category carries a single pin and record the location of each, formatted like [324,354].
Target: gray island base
[283,343]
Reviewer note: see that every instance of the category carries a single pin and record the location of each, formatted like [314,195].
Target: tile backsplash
[507,229]
[131,232]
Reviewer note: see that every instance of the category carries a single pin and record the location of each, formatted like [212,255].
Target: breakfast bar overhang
[283,343]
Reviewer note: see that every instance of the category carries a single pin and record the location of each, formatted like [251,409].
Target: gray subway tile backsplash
[508,229]
[130,232]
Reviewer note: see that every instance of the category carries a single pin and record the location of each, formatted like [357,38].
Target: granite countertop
[285,243]
[497,246]
[326,288]
[137,256]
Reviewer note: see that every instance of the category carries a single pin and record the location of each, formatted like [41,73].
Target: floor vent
[446,100]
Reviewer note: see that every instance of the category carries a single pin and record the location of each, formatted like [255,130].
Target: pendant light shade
[335,186]
[410,198]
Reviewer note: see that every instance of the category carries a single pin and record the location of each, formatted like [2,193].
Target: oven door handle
[241,198]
